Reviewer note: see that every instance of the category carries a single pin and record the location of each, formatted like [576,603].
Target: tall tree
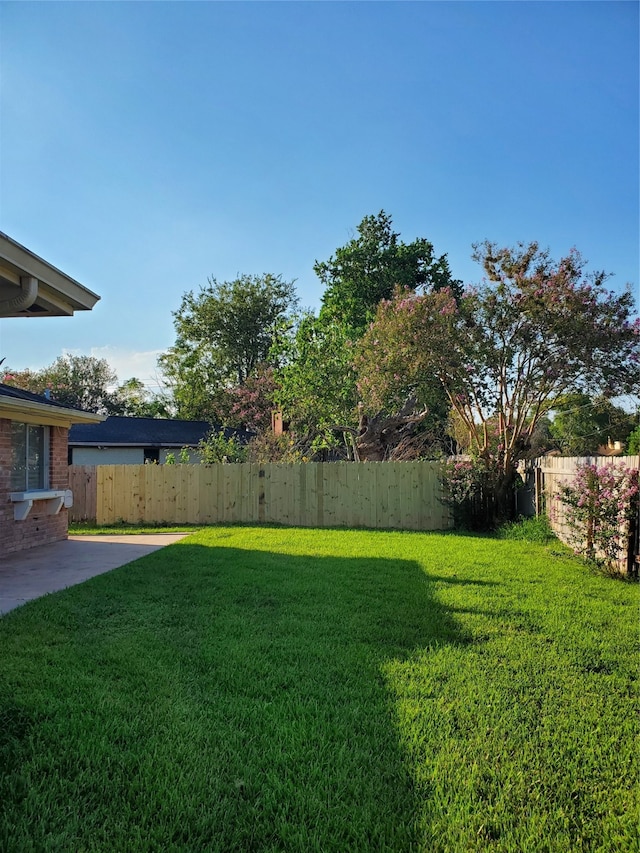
[505,352]
[89,383]
[582,424]
[316,385]
[369,267]
[316,379]
[77,381]
[223,333]
[134,400]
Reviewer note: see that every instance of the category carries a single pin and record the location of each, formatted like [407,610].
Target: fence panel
[402,495]
[82,482]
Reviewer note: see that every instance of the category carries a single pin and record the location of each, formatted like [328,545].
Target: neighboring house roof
[17,404]
[147,432]
[31,287]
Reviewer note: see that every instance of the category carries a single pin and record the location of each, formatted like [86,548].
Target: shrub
[634,442]
[478,493]
[216,448]
[600,502]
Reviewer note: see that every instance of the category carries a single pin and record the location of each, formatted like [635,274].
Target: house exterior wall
[38,528]
[124,455]
[107,456]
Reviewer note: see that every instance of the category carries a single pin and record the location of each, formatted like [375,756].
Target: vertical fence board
[319,493]
[212,491]
[368,494]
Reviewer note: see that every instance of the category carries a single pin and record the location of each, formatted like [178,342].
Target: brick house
[34,478]
[34,473]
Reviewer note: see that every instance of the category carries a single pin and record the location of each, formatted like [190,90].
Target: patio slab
[49,568]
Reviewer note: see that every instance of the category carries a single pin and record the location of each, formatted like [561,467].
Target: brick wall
[37,528]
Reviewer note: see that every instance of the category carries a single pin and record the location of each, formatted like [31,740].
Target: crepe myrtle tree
[505,351]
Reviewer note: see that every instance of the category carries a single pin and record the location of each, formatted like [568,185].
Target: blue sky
[147,146]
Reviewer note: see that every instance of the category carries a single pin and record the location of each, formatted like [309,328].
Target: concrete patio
[48,568]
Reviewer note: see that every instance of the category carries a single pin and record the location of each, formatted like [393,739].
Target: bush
[600,502]
[216,448]
[478,493]
[634,442]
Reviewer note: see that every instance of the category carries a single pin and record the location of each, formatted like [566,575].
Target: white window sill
[54,499]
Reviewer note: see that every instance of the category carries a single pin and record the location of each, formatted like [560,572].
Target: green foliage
[195,384]
[581,424]
[224,333]
[88,383]
[316,385]
[369,267]
[184,457]
[216,447]
[267,447]
[316,377]
[133,400]
[633,448]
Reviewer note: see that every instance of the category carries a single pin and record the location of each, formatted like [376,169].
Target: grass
[90,528]
[536,529]
[256,689]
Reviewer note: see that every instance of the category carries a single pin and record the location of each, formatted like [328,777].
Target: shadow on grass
[219,699]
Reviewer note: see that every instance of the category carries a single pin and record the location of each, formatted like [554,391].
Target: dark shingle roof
[147,432]
[19,394]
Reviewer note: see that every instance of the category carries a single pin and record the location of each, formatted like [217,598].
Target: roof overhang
[31,287]
[30,412]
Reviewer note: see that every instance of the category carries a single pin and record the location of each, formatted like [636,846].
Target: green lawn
[261,689]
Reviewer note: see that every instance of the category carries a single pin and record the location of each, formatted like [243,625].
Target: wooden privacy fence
[403,495]
[83,484]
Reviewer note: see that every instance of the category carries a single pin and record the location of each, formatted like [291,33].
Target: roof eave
[159,444]
[43,413]
[60,293]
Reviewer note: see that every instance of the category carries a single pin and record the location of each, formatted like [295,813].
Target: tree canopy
[224,333]
[582,424]
[369,267]
[88,383]
[316,377]
[316,382]
[504,352]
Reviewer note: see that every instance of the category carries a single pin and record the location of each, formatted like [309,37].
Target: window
[29,457]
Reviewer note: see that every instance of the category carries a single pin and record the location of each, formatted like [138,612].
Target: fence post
[539,489]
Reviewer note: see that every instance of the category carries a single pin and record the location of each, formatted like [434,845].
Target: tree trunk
[378,436]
